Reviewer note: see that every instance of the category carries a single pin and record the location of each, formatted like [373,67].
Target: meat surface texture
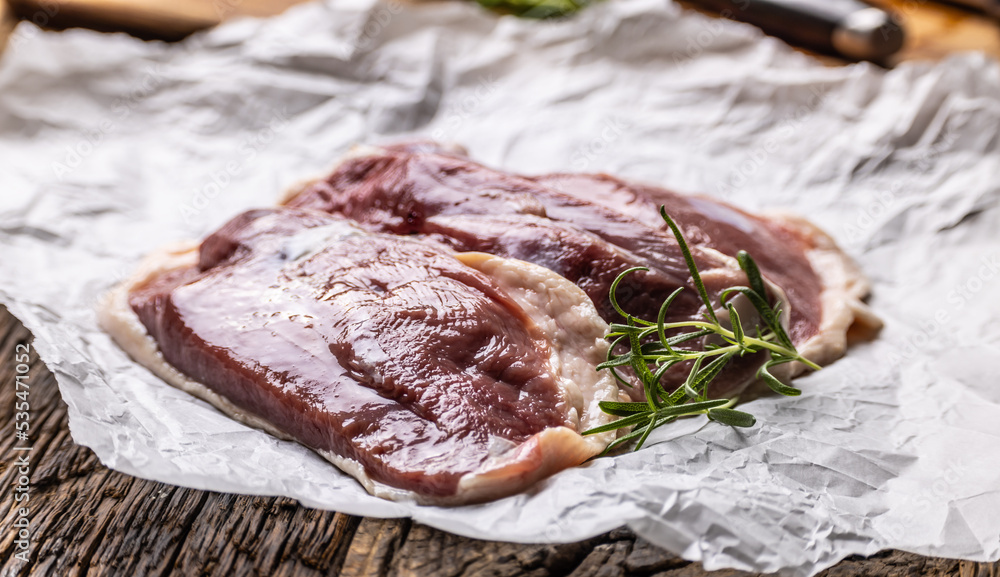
[466,206]
[590,228]
[821,288]
[432,326]
[429,375]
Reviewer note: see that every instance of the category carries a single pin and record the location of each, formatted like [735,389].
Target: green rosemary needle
[651,353]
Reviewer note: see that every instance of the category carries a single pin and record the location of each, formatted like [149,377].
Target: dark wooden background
[934,29]
[89,520]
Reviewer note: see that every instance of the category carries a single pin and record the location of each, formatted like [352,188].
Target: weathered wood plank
[934,29]
[89,520]
[375,543]
[166,20]
[6,24]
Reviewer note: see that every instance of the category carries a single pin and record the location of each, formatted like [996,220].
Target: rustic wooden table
[934,30]
[89,520]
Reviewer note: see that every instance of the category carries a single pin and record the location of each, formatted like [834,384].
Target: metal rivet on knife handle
[868,34]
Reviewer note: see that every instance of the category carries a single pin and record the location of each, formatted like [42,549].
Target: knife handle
[849,28]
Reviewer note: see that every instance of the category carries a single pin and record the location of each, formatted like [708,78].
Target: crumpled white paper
[110,147]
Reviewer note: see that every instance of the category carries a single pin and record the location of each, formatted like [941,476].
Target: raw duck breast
[589,228]
[426,374]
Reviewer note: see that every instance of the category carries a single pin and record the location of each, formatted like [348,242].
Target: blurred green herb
[652,353]
[536,8]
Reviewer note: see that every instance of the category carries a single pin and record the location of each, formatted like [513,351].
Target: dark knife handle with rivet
[849,28]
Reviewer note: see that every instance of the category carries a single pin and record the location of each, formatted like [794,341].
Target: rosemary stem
[718,329]
[691,398]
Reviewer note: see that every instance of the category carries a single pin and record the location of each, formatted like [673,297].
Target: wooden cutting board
[935,30]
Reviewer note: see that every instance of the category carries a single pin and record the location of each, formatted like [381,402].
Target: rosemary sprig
[651,353]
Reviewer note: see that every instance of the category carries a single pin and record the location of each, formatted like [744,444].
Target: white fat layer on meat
[563,315]
[569,322]
[561,311]
[842,306]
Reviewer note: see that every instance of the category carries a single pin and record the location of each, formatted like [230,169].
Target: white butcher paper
[111,147]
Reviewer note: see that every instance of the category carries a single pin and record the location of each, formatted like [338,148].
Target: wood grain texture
[88,520]
[160,19]
[934,30]
[7,21]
